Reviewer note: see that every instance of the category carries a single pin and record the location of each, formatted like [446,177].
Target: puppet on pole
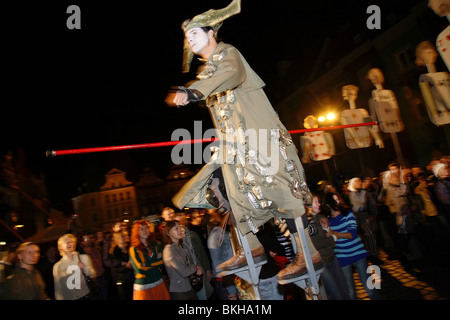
[442,9]
[435,86]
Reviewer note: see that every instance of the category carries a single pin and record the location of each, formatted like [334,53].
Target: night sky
[105,84]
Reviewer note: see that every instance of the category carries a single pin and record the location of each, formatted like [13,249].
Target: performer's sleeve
[229,75]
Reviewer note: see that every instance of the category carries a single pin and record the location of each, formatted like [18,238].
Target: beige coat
[70,283]
[259,183]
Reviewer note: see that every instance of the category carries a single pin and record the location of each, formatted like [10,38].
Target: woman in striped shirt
[349,249]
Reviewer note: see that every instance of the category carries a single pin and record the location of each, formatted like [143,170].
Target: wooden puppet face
[376,76]
[428,55]
[350,93]
[440,7]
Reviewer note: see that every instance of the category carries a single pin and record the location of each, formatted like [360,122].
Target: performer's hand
[176,99]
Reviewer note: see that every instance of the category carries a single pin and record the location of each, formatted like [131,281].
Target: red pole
[54,153]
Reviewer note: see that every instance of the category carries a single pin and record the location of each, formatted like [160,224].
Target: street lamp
[331,116]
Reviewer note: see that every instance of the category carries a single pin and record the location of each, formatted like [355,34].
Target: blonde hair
[351,184]
[64,239]
[23,246]
[436,168]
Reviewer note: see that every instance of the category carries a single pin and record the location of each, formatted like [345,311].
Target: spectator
[332,275]
[220,249]
[197,224]
[416,170]
[269,288]
[399,201]
[349,248]
[344,194]
[371,186]
[198,251]
[88,244]
[26,282]
[99,239]
[442,187]
[396,192]
[167,214]
[430,172]
[438,223]
[146,260]
[69,280]
[386,221]
[179,263]
[8,261]
[115,253]
[45,266]
[359,201]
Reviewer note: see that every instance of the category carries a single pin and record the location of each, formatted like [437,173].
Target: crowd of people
[404,211]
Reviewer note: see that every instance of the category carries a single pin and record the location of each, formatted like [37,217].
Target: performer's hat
[211,18]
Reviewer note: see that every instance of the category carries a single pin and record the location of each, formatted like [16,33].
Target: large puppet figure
[246,181]
[384,104]
[435,86]
[316,145]
[357,137]
[442,9]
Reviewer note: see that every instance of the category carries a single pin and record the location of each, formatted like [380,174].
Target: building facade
[115,201]
[119,199]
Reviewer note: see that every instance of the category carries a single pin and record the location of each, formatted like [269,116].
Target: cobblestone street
[425,279]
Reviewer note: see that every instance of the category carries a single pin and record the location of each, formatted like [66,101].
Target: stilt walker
[255,173]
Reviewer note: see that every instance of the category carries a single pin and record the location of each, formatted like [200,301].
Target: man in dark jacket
[25,283]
